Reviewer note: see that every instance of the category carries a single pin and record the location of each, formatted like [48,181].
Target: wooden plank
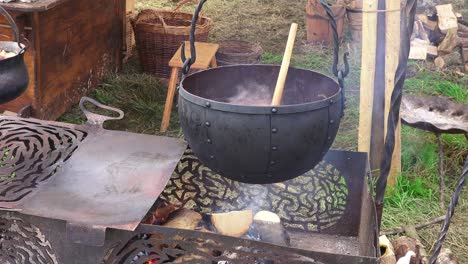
[391,63]
[369,34]
[81,43]
[41,5]
[378,109]
[129,5]
[205,53]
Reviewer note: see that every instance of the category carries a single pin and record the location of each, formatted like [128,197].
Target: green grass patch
[411,200]
[428,82]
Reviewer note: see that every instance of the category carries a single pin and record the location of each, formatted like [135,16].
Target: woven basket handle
[163,22]
[184,2]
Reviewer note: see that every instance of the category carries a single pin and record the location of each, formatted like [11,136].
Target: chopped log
[412,233]
[446,257]
[465,55]
[418,52]
[406,259]
[388,255]
[428,24]
[235,223]
[462,28]
[404,244]
[450,41]
[267,217]
[448,60]
[192,258]
[161,214]
[419,31]
[446,17]
[269,228]
[184,219]
[432,51]
[439,63]
[463,42]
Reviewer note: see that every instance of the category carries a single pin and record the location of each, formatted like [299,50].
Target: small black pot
[14,76]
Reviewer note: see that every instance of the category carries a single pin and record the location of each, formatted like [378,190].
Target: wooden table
[206,58]
[73,44]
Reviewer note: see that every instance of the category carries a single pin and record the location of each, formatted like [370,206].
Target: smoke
[252,94]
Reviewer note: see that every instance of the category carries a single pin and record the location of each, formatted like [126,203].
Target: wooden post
[369,43]
[370,119]
[391,64]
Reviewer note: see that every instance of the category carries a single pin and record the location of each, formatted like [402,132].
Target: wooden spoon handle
[278,95]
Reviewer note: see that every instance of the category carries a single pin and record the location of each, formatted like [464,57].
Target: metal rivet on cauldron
[208,141]
[331,101]
[211,157]
[208,124]
[274,148]
[208,104]
[274,130]
[332,121]
[329,138]
[274,110]
[272,162]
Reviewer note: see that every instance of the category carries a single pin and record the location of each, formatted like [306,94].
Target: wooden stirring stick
[278,95]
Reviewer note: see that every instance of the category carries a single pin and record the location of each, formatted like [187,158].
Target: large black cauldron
[259,144]
[14,76]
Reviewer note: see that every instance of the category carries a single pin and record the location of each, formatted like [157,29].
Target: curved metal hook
[336,42]
[189,62]
[14,27]
[96,119]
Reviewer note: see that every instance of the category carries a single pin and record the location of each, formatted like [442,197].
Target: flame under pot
[228,122]
[14,76]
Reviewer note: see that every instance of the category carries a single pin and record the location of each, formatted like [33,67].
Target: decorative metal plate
[88,176]
[22,242]
[315,201]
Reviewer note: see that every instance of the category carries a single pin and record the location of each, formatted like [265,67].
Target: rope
[354,10]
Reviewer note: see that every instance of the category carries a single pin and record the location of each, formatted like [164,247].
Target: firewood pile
[262,226]
[442,37]
[409,250]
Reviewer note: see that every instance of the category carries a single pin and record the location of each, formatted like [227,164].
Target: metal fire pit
[328,212]
[90,177]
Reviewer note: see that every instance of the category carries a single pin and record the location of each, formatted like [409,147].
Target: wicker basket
[159,33]
[232,52]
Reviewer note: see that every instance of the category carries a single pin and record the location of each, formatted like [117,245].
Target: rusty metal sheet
[435,114]
[88,176]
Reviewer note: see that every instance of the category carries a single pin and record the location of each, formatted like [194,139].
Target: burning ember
[6,54]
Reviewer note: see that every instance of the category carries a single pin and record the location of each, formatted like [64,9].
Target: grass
[414,199]
[263,21]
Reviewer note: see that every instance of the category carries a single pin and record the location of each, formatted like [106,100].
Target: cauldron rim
[248,109]
[12,45]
